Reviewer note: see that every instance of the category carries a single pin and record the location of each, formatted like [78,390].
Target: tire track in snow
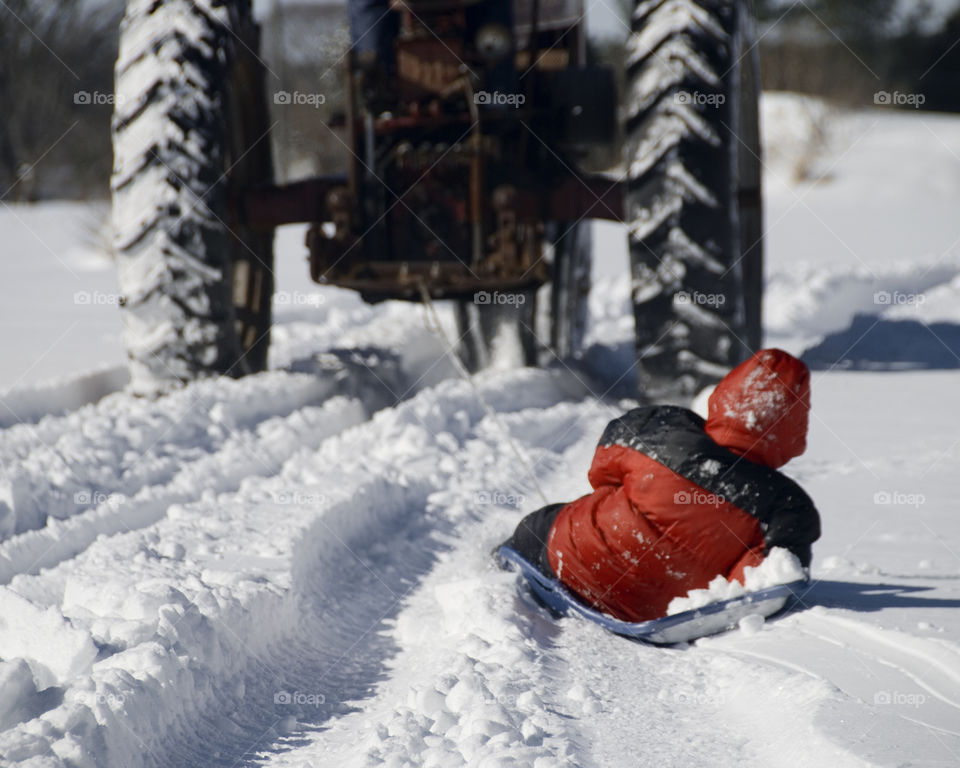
[258,452]
[472,682]
[200,606]
[55,470]
[92,459]
[206,437]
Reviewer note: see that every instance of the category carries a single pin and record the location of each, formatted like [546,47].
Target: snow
[294,569]
[68,323]
[55,651]
[779,567]
[869,225]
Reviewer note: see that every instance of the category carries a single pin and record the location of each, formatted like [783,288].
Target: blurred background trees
[56,75]
[56,86]
[848,50]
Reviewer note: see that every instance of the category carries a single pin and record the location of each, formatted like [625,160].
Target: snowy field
[293,569]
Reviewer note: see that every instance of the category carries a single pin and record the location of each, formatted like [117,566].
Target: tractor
[466,182]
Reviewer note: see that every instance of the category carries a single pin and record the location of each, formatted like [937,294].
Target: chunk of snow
[750,625]
[55,650]
[779,567]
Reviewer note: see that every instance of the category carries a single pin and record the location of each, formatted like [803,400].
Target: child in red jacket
[678,501]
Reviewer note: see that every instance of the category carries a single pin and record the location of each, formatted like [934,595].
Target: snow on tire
[194,281]
[682,154]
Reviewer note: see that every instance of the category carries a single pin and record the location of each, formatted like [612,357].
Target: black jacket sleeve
[792,522]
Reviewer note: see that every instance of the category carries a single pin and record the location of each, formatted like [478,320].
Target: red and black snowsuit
[678,501]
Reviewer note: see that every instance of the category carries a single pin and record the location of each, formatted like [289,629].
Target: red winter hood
[761,408]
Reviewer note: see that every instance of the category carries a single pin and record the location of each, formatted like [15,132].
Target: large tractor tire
[693,199]
[190,131]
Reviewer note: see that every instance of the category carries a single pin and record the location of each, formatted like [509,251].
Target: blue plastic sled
[679,628]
